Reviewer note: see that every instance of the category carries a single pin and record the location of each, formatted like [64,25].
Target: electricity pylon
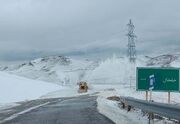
[131,42]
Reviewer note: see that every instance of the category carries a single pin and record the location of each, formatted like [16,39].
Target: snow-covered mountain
[56,69]
[166,60]
[67,71]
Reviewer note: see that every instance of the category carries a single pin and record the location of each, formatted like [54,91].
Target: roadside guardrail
[162,109]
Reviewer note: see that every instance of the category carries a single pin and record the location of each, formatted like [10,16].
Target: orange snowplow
[83,87]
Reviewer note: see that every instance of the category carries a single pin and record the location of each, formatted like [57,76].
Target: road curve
[76,110]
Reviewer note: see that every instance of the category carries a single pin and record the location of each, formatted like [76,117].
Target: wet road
[75,110]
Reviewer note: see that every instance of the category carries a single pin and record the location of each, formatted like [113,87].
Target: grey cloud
[67,25]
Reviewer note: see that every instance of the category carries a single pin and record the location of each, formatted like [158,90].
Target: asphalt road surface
[75,110]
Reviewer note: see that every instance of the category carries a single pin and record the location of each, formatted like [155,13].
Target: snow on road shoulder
[111,110]
[14,88]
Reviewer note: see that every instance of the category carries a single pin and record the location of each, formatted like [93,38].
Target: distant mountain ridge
[166,60]
[67,71]
[56,69]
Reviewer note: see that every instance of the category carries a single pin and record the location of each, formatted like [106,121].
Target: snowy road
[75,110]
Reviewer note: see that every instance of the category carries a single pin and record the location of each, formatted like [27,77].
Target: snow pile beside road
[14,88]
[111,110]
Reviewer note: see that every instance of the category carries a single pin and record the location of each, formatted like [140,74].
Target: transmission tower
[131,42]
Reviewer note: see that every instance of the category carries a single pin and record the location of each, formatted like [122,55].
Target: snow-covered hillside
[66,71]
[14,88]
[54,69]
[167,60]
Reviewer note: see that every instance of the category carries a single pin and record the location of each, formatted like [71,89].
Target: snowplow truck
[83,87]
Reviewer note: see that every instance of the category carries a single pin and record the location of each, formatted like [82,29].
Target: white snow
[113,71]
[117,115]
[113,111]
[14,88]
[53,69]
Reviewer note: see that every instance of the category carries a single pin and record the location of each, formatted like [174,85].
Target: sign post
[151,85]
[150,97]
[169,97]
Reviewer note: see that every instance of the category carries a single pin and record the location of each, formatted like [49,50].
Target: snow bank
[111,110]
[14,88]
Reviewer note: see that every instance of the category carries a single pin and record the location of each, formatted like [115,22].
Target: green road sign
[158,79]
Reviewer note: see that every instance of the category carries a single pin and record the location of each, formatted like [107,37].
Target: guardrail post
[150,97]
[146,95]
[151,117]
[129,108]
[123,105]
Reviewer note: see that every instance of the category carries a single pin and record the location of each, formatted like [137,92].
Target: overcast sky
[36,26]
